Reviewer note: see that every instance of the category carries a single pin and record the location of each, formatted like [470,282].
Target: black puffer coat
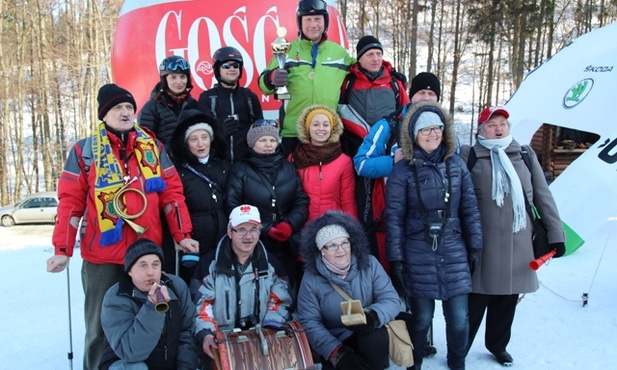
[205,201]
[246,186]
[432,271]
[161,116]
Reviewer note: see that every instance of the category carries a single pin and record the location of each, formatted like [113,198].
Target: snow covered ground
[552,329]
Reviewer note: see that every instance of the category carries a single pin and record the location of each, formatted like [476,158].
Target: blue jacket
[319,305]
[432,271]
[373,159]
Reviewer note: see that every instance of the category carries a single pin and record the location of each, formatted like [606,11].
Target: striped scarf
[109,178]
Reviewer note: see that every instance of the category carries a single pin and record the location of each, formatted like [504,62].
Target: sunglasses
[230,65]
[263,122]
[179,64]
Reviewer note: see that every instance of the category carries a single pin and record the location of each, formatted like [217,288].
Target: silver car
[37,208]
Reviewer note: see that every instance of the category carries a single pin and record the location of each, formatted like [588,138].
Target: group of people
[265,221]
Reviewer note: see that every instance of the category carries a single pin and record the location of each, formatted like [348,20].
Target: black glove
[397,275]
[347,359]
[473,257]
[231,125]
[372,322]
[278,77]
[560,248]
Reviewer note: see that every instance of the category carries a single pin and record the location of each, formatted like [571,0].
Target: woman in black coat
[196,145]
[433,231]
[170,96]
[268,181]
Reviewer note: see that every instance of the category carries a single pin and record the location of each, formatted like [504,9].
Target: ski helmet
[175,64]
[312,7]
[226,54]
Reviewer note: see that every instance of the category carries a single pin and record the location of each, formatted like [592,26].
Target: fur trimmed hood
[407,143]
[357,238]
[337,126]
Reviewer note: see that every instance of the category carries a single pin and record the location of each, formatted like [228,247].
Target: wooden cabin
[557,147]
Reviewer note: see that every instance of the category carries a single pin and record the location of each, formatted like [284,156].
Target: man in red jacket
[117,180]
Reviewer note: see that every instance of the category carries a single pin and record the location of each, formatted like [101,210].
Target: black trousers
[500,311]
[372,347]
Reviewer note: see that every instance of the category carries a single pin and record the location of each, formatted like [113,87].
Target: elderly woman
[204,178]
[433,233]
[268,181]
[326,173]
[504,272]
[336,251]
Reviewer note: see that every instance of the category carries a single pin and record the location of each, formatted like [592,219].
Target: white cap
[244,213]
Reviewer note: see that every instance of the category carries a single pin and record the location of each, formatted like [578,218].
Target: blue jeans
[124,365]
[456,313]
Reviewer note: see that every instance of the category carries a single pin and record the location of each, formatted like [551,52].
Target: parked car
[37,208]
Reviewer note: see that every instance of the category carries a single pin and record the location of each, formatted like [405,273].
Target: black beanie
[367,43]
[425,81]
[140,248]
[111,95]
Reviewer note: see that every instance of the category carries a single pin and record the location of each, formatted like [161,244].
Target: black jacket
[246,186]
[162,116]
[205,199]
[236,109]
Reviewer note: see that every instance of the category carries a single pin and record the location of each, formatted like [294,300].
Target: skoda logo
[577,93]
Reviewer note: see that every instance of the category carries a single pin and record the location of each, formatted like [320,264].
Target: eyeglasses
[243,231]
[263,122]
[334,247]
[427,130]
[179,64]
[233,65]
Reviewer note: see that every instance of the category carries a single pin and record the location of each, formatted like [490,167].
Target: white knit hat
[199,126]
[426,119]
[329,233]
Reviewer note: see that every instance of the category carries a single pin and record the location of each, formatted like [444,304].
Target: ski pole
[68,286]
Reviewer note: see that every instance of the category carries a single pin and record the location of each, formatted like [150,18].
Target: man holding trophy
[306,77]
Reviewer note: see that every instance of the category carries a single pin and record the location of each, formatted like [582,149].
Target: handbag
[400,346]
[539,237]
[399,342]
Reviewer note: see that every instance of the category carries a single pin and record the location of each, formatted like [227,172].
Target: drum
[263,349]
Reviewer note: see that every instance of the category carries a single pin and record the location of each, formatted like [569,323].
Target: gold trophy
[280,47]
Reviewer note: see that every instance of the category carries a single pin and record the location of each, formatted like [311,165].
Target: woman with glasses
[336,252]
[170,96]
[433,233]
[236,107]
[268,181]
[326,173]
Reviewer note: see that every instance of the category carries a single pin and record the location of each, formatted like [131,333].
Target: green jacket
[310,83]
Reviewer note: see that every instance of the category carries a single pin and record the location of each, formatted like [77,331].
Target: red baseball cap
[488,112]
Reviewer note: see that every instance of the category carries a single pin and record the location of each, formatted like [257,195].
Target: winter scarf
[502,170]
[306,155]
[110,178]
[340,271]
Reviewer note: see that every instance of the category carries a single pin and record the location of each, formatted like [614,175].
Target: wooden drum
[263,349]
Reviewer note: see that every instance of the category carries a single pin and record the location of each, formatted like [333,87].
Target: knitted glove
[560,248]
[473,256]
[347,359]
[281,231]
[372,322]
[277,77]
[397,275]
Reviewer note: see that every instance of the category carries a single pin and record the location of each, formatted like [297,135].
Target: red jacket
[76,195]
[329,186]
